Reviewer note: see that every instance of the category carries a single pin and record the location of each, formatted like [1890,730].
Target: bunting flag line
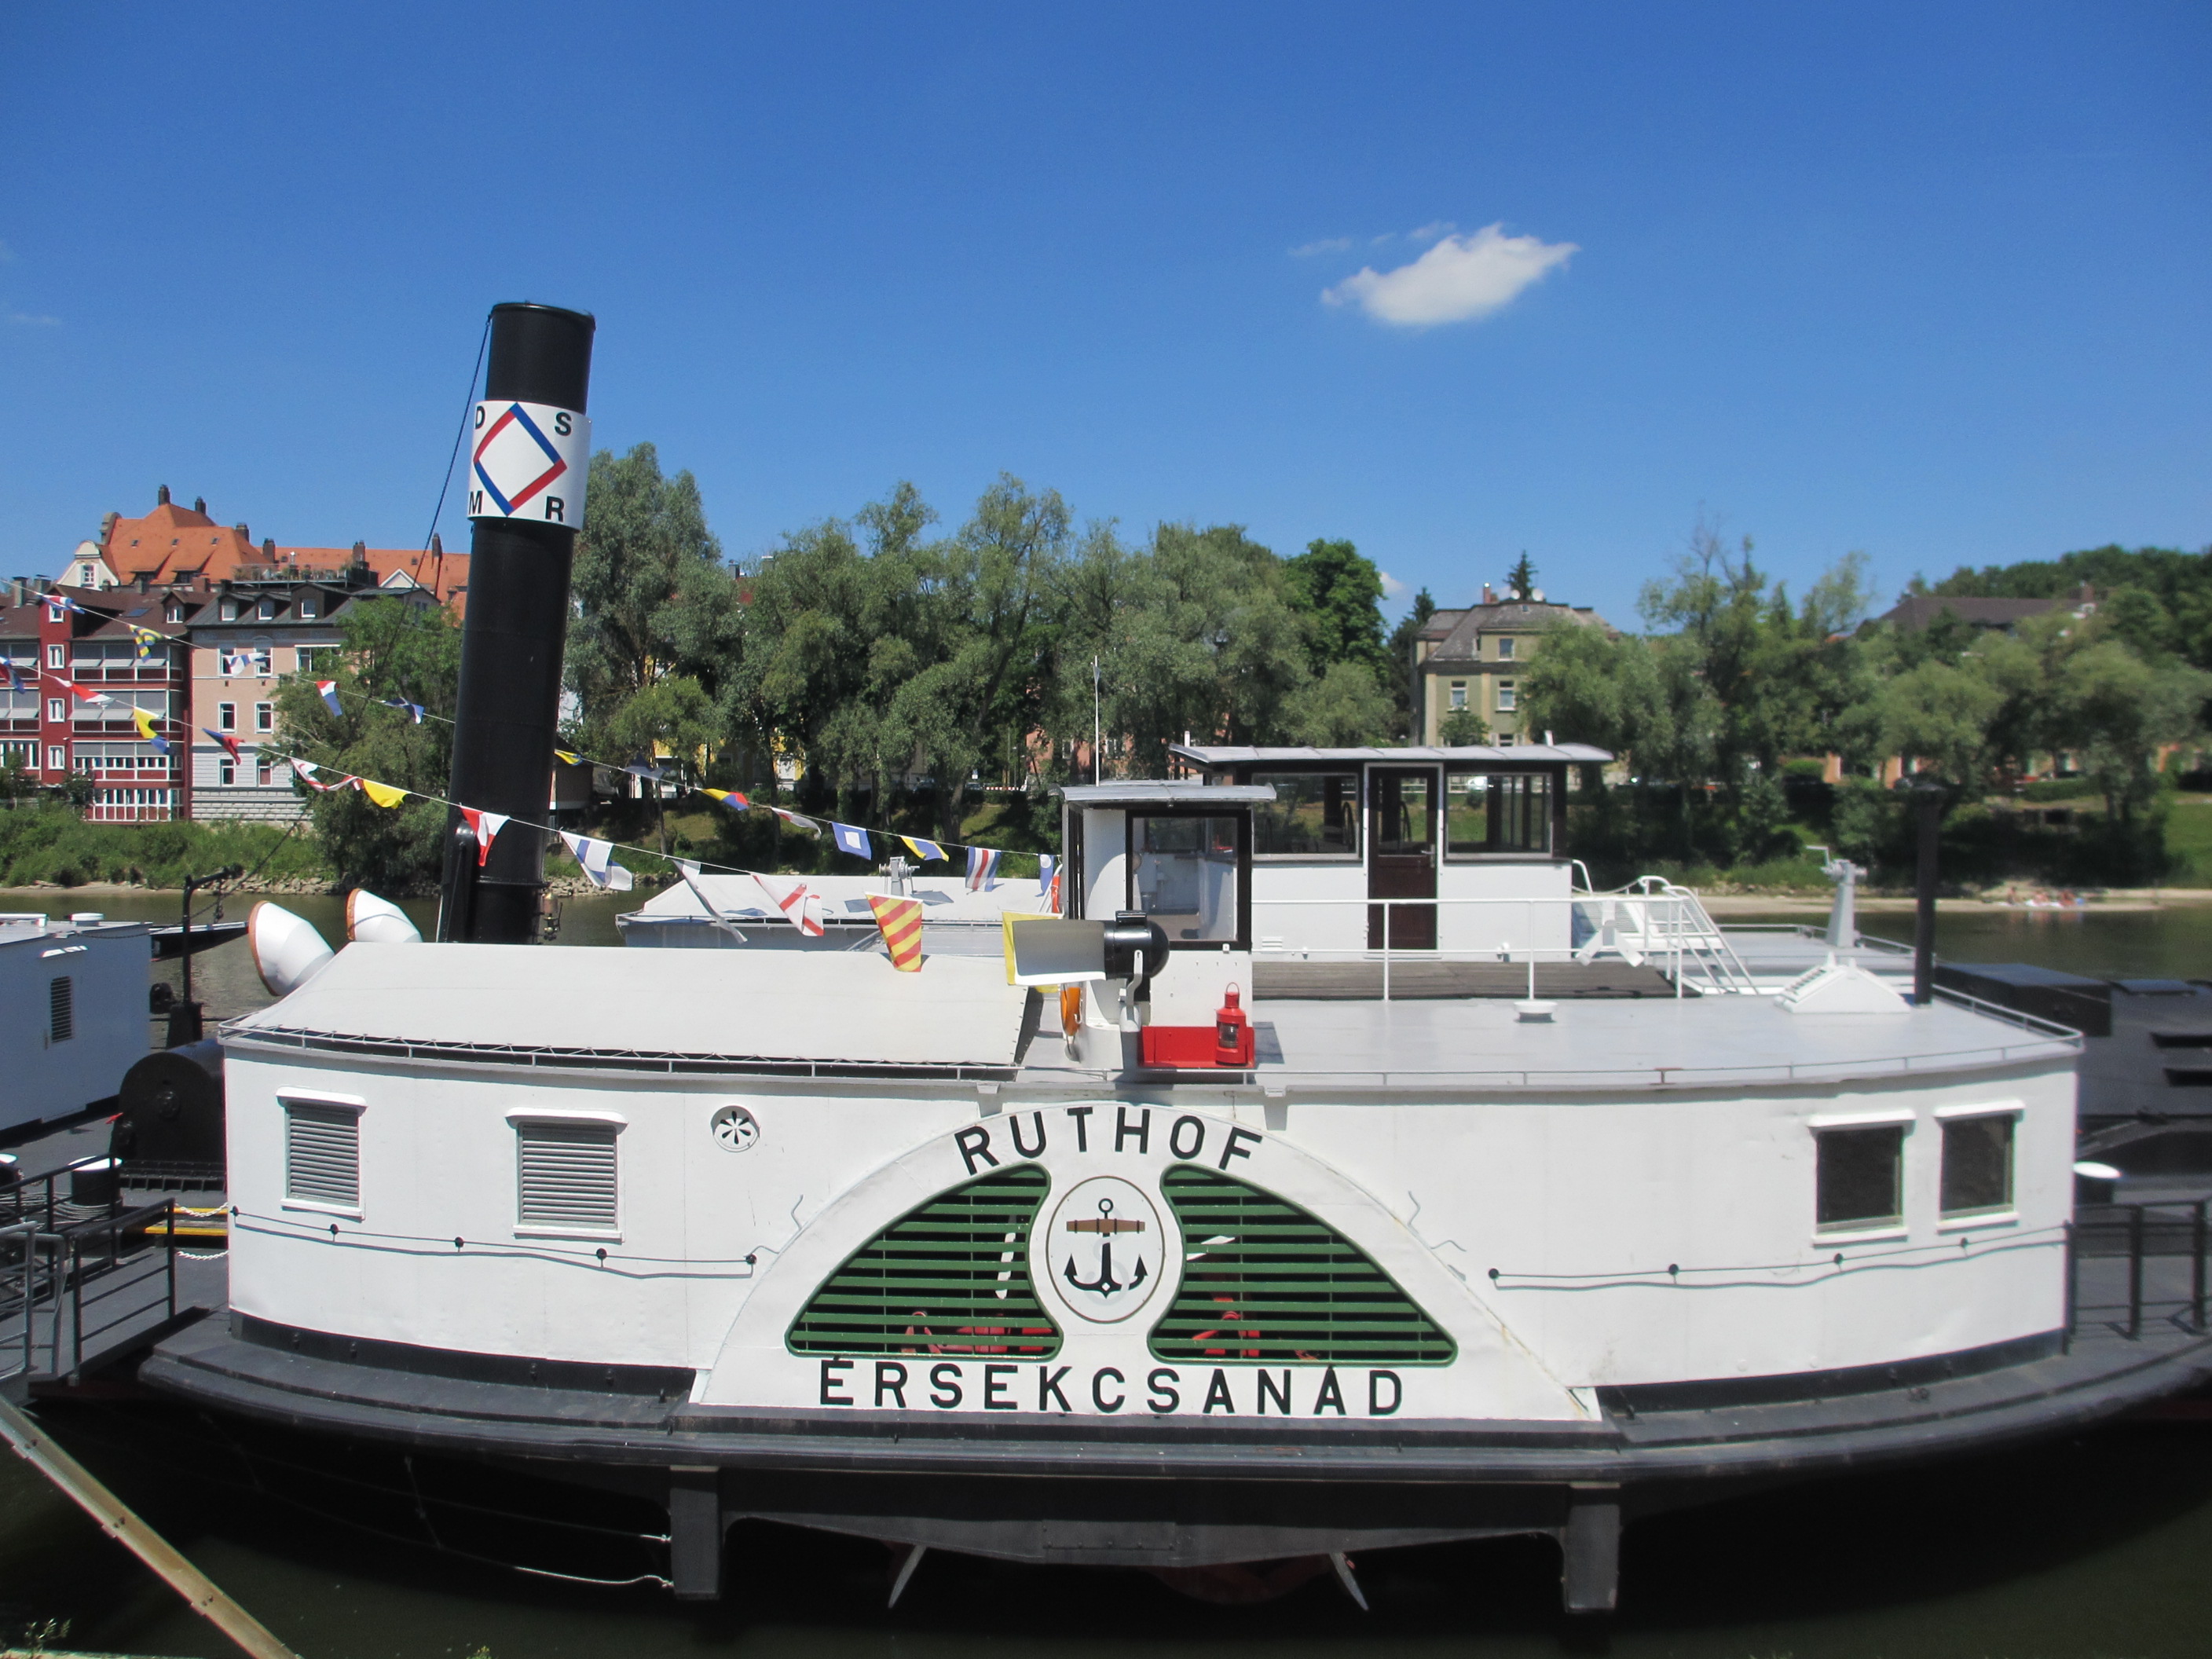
[850,839]
[145,724]
[594,856]
[900,920]
[797,822]
[383,794]
[230,745]
[795,903]
[146,639]
[307,769]
[729,798]
[1045,868]
[565,758]
[87,696]
[15,680]
[413,708]
[485,826]
[328,690]
[982,869]
[924,850]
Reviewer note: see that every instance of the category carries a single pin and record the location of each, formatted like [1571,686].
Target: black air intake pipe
[1136,949]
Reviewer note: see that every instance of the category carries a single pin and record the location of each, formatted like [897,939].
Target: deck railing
[1651,920]
[72,1274]
[2152,1242]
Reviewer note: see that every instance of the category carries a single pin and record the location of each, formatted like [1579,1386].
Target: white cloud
[1460,278]
[25,319]
[1327,245]
[1392,588]
[1431,231]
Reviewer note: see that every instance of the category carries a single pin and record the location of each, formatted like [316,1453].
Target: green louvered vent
[1264,1282]
[951,1277]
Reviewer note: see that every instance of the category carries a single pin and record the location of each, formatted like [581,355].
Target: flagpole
[1094,727]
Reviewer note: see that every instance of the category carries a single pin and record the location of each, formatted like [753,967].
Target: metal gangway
[80,1283]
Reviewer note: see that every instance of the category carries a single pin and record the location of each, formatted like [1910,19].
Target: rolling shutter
[567,1176]
[322,1155]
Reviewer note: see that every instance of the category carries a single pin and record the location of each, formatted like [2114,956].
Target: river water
[2099,1547]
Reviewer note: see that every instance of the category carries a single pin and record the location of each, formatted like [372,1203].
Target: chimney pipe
[200,505]
[162,496]
[530,455]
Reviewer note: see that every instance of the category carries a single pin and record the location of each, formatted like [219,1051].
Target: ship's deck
[1602,1043]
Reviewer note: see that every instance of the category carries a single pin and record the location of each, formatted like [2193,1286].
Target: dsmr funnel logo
[1107,1249]
[529,461]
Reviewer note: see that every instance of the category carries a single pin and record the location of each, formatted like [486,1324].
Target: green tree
[1343,709]
[1520,581]
[1336,591]
[1462,728]
[1404,678]
[652,598]
[396,648]
[2114,711]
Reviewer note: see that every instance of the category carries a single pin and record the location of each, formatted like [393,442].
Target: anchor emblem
[1105,1225]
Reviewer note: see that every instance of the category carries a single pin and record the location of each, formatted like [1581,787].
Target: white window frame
[1505,649]
[57,710]
[1458,696]
[1509,696]
[57,758]
[287,1098]
[554,1117]
[57,656]
[1948,1221]
[225,717]
[264,717]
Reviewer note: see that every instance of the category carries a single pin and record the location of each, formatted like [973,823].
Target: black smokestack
[524,542]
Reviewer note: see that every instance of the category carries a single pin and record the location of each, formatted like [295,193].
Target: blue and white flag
[15,680]
[982,869]
[850,839]
[414,710]
[328,691]
[1044,872]
[922,849]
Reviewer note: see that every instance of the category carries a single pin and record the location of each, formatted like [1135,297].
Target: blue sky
[1926,281]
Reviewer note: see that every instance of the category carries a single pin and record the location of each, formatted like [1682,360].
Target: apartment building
[81,664]
[1473,660]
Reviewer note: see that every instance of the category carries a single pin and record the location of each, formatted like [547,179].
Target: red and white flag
[793,899]
[485,826]
[307,769]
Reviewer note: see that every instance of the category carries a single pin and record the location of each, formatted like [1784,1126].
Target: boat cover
[823,1007]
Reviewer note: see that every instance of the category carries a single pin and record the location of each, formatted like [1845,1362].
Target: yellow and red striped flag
[901,921]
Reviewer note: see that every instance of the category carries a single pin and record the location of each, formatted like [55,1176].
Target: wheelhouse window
[1978,1164]
[1861,1177]
[1488,813]
[1314,815]
[1183,873]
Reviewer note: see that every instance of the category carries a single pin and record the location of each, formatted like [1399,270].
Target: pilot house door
[1402,857]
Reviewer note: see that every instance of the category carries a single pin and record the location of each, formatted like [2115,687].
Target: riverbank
[2108,900]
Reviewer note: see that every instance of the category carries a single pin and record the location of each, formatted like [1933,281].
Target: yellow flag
[145,725]
[565,758]
[382,793]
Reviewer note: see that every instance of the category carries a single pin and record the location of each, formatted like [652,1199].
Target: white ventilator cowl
[287,951]
[373,921]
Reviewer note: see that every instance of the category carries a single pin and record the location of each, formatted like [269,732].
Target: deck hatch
[1264,1281]
[951,1277]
